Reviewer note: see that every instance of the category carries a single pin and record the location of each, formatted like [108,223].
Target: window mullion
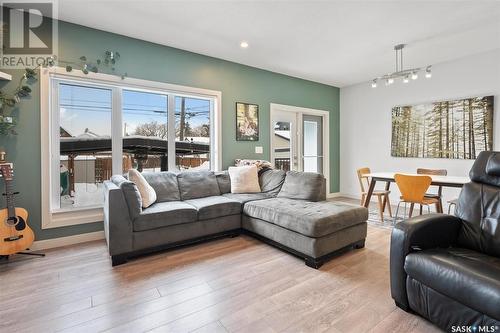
[171,132]
[116,131]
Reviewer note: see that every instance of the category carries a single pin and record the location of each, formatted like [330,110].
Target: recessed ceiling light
[244,44]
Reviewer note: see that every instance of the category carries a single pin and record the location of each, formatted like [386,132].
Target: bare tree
[152,129]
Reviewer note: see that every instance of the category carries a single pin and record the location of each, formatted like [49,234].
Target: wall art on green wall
[247,122]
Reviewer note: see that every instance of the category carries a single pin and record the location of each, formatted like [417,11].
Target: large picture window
[100,126]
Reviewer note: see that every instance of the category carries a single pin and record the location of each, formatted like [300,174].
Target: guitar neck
[9,194]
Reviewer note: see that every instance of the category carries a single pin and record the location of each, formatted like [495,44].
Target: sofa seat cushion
[246,197]
[215,206]
[312,219]
[469,277]
[164,214]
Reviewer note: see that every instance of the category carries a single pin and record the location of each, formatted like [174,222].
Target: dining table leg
[387,187]
[370,192]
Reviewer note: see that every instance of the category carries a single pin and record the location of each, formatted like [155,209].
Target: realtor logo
[29,33]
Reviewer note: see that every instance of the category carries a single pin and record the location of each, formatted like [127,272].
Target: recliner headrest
[493,165]
[486,168]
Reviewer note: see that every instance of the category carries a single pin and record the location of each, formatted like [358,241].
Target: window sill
[64,218]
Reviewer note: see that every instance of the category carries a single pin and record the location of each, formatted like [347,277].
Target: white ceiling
[333,42]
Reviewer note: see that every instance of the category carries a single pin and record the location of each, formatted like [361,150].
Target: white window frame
[49,119]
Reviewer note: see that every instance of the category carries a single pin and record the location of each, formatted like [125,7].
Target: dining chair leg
[428,209]
[411,209]
[394,220]
[380,208]
[362,199]
[420,209]
[388,203]
[440,206]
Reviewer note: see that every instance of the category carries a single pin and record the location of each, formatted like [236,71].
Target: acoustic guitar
[15,234]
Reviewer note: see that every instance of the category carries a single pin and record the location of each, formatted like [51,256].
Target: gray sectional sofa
[291,213]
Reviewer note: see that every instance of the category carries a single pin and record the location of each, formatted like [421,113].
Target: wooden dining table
[388,178]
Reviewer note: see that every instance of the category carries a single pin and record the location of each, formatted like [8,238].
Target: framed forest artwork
[247,122]
[455,129]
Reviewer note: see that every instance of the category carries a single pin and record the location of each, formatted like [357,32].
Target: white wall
[365,118]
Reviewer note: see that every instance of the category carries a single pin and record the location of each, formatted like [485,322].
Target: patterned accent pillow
[261,164]
[244,179]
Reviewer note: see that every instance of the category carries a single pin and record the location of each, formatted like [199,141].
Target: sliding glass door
[99,129]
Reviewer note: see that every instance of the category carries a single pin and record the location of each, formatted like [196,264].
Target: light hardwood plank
[228,285]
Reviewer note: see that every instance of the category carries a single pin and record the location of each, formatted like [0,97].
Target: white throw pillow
[244,179]
[147,192]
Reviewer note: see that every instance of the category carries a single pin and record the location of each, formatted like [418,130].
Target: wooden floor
[229,285]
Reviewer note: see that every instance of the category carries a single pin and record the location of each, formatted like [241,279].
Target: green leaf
[117,55]
[29,73]
[85,71]
[26,89]
[94,69]
[83,58]
[113,61]
[10,101]
[69,68]
[98,61]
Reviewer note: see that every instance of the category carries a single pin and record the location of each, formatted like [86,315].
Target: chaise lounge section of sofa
[291,213]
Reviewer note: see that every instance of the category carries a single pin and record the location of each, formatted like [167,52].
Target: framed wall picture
[247,122]
[453,129]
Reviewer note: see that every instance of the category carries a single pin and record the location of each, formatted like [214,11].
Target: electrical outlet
[259,150]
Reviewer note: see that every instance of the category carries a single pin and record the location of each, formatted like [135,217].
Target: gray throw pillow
[131,194]
[224,181]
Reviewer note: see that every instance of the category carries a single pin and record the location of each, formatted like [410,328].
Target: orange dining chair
[439,194]
[382,195]
[413,189]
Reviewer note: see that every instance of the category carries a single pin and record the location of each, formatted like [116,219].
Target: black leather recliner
[447,268]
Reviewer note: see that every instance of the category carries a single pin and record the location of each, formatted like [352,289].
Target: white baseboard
[69,240]
[334,195]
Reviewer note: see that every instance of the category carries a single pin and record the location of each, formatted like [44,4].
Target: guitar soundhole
[17,222]
[21,224]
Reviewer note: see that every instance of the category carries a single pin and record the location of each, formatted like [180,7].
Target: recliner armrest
[418,233]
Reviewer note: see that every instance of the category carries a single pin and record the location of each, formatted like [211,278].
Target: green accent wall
[149,61]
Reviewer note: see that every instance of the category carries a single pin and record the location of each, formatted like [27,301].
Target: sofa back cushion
[303,185]
[198,184]
[165,185]
[271,181]
[224,181]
